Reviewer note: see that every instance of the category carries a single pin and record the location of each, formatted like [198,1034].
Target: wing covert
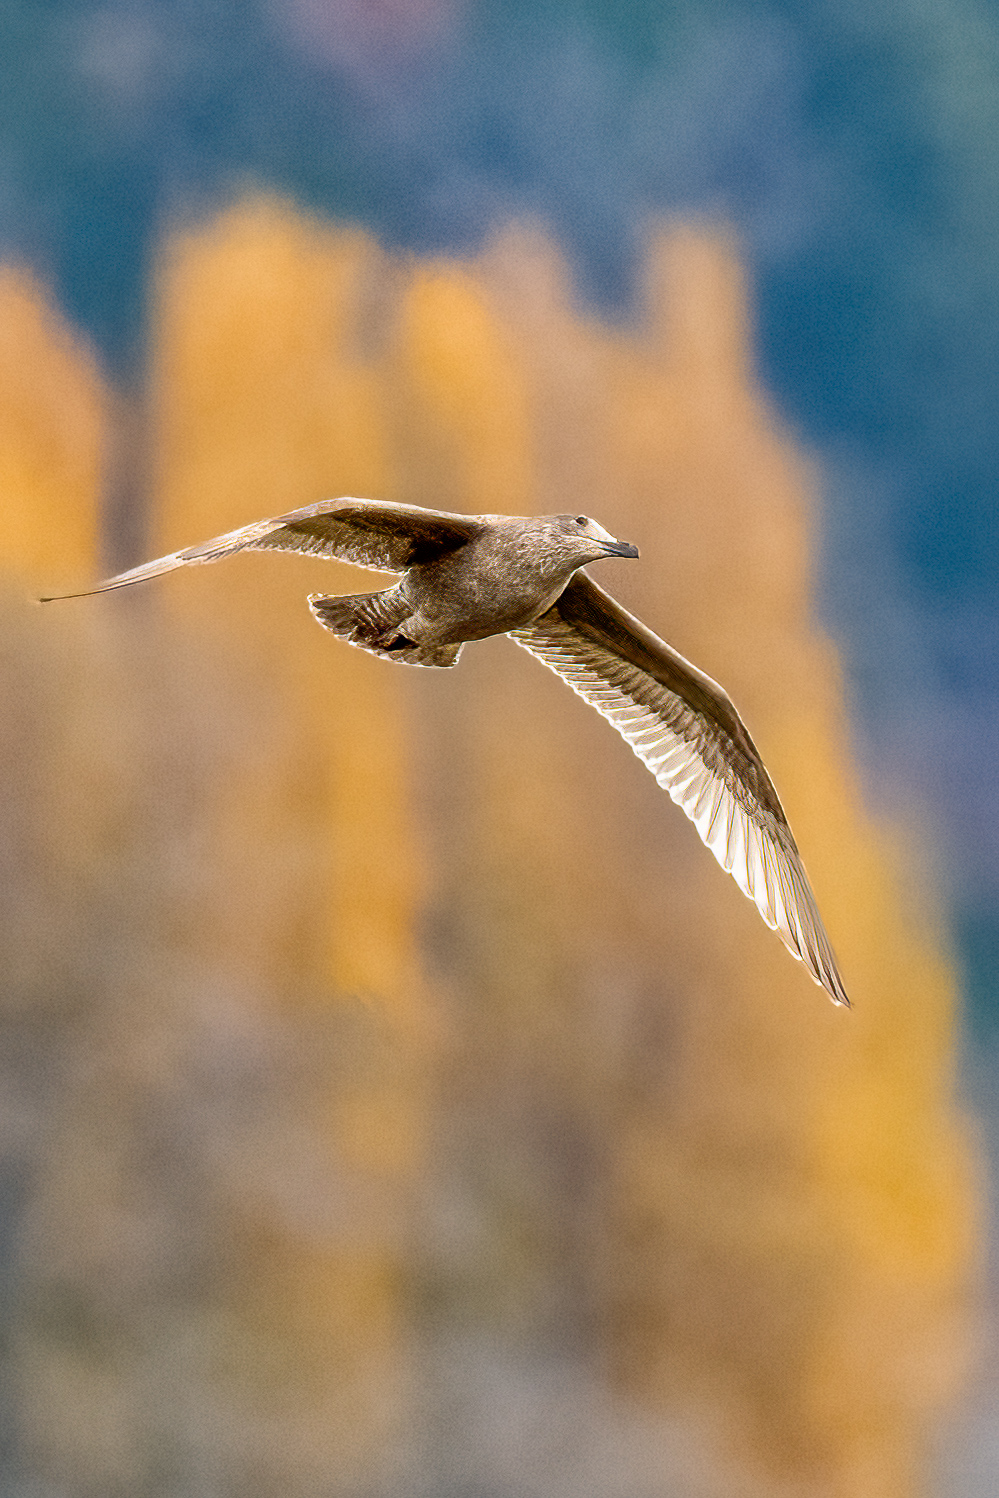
[368,532]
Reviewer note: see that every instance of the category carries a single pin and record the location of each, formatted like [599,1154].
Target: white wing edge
[761,857]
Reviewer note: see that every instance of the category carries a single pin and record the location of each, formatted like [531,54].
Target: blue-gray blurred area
[855,149]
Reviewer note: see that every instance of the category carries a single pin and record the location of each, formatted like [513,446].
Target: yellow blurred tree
[204,1289]
[652,1150]
[782,1192]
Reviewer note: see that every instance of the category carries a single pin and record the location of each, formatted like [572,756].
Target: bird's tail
[376,622]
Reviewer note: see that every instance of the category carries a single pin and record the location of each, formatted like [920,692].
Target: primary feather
[686,731]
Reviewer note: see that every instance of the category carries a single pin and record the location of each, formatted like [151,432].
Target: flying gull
[465,577]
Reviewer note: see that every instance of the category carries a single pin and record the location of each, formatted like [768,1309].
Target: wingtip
[833,985]
[61,597]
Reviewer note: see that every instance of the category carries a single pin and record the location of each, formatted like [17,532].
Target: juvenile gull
[465,577]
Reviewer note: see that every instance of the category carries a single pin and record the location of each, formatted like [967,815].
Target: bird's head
[579,539]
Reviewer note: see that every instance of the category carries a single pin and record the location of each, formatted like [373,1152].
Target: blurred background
[397,1101]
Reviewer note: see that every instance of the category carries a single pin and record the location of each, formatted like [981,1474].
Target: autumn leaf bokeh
[404,1044]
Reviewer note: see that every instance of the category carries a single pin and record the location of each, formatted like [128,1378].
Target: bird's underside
[377,622]
[679,722]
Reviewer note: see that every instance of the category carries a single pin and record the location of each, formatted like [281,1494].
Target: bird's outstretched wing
[684,728]
[369,532]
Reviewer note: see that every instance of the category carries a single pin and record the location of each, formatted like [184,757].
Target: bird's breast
[469,597]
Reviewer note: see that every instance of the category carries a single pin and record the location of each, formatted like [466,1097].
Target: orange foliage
[267,401]
[744,1206]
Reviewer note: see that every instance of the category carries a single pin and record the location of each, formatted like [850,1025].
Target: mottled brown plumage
[465,577]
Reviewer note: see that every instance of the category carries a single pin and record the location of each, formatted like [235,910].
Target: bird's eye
[582,520]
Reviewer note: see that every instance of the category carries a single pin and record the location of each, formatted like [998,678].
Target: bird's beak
[620,549]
